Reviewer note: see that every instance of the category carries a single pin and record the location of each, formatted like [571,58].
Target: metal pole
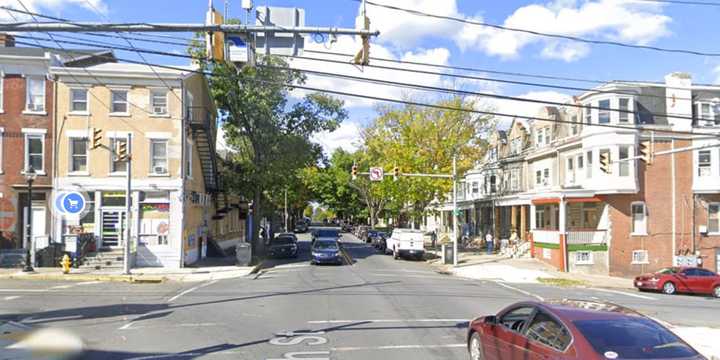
[672,182]
[128,210]
[454,214]
[286,213]
[28,262]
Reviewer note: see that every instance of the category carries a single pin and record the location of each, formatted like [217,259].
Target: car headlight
[338,253]
[316,254]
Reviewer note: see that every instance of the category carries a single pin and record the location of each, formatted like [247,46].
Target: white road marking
[23,290]
[89,282]
[61,287]
[126,326]
[165,326]
[625,293]
[8,298]
[191,290]
[397,347]
[520,290]
[383,321]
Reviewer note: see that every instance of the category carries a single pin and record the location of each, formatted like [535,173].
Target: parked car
[326,251]
[301,227]
[361,231]
[346,227]
[284,245]
[682,280]
[573,329]
[369,235]
[379,242]
[406,243]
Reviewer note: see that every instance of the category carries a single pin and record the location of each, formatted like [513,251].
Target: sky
[421,39]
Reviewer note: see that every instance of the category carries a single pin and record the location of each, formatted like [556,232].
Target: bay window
[624,107]
[604,112]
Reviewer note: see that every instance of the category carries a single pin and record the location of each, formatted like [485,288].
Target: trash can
[447,251]
[243,254]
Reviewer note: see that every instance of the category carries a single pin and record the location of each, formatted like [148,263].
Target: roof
[67,56]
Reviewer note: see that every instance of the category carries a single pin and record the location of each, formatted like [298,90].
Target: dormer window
[707,114]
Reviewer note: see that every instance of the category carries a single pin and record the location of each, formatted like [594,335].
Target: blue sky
[405,36]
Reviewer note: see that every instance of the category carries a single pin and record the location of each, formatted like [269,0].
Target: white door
[39,224]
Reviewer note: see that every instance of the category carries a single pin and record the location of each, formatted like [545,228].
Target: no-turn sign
[376,174]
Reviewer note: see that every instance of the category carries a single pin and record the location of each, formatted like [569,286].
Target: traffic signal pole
[128,210]
[454,212]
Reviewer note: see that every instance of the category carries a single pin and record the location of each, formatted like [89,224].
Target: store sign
[70,204]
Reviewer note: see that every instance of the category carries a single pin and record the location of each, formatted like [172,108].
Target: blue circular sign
[73,203]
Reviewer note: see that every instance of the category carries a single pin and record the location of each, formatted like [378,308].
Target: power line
[406,102]
[543,34]
[682,2]
[489,95]
[425,87]
[480,78]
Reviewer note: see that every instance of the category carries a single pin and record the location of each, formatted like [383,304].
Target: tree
[424,140]
[330,184]
[270,137]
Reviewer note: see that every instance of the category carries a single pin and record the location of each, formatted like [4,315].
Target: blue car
[326,252]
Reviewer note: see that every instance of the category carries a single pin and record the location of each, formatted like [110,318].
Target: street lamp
[30,176]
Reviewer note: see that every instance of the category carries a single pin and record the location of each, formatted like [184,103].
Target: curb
[88,277]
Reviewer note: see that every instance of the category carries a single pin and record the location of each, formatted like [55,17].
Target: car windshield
[633,338]
[325,245]
[283,240]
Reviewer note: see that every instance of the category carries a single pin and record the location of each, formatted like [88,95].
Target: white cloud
[521,108]
[347,137]
[621,20]
[54,6]
[404,30]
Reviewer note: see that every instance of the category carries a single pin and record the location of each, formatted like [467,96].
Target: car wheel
[716,291]
[669,288]
[475,347]
[396,255]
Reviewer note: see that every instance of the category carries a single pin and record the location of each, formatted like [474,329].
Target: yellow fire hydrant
[65,264]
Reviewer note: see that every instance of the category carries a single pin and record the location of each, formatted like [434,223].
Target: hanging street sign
[376,174]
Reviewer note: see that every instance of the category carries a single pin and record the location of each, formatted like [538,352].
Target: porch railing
[546,236]
[587,237]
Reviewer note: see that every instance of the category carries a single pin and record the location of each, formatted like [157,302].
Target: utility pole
[454,211]
[286,212]
[128,210]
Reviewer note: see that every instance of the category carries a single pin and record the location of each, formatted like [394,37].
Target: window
[516,319]
[2,134]
[78,154]
[714,218]
[158,153]
[35,100]
[624,107]
[538,177]
[570,171]
[515,179]
[640,257]
[546,176]
[119,101]
[493,154]
[604,111]
[539,142]
[34,151]
[584,258]
[580,162]
[545,330]
[704,272]
[589,164]
[158,101]
[188,160]
[475,187]
[588,115]
[547,136]
[624,165]
[79,100]
[115,165]
[639,218]
[704,161]
[493,181]
[574,127]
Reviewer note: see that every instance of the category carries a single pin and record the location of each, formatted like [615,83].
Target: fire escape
[204,130]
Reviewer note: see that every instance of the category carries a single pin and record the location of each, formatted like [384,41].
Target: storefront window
[113,198]
[154,218]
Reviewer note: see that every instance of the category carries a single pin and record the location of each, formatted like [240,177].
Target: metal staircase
[204,129]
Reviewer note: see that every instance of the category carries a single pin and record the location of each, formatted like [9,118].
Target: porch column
[533,226]
[523,222]
[513,218]
[498,222]
[563,235]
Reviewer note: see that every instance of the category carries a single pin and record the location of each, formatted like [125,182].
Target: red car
[681,279]
[572,329]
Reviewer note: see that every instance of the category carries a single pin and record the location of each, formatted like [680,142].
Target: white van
[406,243]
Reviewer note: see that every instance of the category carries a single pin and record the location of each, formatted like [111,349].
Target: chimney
[678,89]
[7,40]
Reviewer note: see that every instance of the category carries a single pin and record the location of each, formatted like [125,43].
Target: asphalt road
[375,307]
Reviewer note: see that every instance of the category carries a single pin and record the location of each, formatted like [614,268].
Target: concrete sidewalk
[524,270]
[138,275]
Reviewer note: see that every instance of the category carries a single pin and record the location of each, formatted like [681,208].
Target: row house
[638,217]
[27,110]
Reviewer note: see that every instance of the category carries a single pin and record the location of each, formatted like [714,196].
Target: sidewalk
[206,271]
[524,270]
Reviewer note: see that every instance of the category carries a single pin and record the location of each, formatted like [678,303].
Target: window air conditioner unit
[160,170]
[702,229]
[159,110]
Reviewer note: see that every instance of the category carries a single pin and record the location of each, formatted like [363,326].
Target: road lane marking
[383,321]
[61,287]
[8,298]
[191,290]
[397,347]
[624,293]
[89,282]
[165,326]
[520,290]
[24,290]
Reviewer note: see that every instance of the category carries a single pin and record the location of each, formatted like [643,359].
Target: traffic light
[605,162]
[396,173]
[354,172]
[645,152]
[122,151]
[95,141]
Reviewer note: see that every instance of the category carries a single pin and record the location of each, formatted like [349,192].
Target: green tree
[270,136]
[330,185]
